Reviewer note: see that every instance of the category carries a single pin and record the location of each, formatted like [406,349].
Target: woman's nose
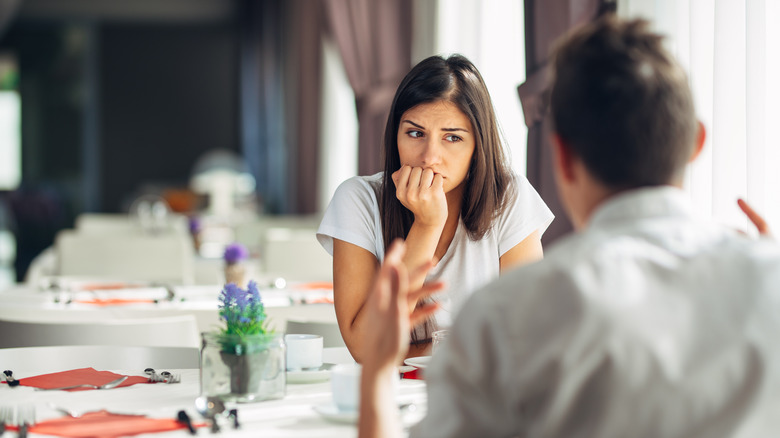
[431,154]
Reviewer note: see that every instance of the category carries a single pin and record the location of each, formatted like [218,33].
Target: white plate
[332,413]
[418,362]
[320,374]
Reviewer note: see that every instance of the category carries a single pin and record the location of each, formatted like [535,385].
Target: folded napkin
[104,424]
[114,301]
[105,286]
[78,377]
[416,374]
[314,285]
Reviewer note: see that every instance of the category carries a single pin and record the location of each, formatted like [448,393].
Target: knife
[9,378]
[182,417]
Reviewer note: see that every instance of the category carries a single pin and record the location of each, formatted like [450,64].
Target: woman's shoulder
[362,183]
[361,189]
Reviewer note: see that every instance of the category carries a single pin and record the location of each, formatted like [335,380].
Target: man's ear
[563,158]
[701,137]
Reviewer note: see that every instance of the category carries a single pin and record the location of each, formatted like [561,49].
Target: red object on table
[104,424]
[78,377]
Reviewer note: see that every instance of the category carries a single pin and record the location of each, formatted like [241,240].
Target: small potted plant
[196,227]
[235,271]
[244,360]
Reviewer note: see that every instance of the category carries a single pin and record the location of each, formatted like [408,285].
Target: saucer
[334,414]
[408,412]
[418,362]
[315,375]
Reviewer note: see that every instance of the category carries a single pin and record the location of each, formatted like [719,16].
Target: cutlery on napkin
[79,377]
[9,378]
[105,424]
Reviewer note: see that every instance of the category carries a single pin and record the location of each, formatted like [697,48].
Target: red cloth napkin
[314,285]
[78,377]
[104,424]
[106,286]
[114,301]
[416,374]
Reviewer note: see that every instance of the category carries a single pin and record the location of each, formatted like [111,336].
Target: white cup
[303,352]
[345,385]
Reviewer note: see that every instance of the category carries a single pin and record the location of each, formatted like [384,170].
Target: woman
[446,189]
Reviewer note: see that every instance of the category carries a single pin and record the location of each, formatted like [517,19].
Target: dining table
[298,414]
[95,299]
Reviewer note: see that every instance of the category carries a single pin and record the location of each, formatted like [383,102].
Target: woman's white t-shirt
[353,216]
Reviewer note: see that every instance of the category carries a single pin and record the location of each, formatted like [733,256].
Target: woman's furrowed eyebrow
[412,123]
[443,129]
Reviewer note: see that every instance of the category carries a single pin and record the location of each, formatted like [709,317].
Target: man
[648,322]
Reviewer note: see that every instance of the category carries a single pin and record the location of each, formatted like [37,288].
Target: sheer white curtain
[731,49]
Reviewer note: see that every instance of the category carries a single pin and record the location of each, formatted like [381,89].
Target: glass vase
[242,369]
[236,273]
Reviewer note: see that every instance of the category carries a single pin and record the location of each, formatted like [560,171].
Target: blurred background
[233,117]
[103,102]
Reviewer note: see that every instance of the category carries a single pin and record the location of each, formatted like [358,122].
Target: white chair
[331,335]
[161,258]
[168,331]
[252,233]
[296,254]
[113,223]
[28,361]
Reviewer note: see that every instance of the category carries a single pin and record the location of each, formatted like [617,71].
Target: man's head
[621,107]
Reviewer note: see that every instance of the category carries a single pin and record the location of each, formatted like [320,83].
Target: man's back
[648,323]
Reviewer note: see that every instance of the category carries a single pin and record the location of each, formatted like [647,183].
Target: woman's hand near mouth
[422,192]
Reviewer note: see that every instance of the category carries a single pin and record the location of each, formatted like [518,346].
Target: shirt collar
[642,203]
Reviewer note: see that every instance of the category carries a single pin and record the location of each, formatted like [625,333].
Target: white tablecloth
[200,301]
[292,416]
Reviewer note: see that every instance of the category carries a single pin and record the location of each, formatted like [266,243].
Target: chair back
[331,335]
[296,254]
[31,360]
[168,331]
[165,257]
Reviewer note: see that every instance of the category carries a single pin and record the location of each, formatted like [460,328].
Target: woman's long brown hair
[455,80]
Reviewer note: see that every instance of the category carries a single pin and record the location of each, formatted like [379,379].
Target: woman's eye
[414,134]
[453,138]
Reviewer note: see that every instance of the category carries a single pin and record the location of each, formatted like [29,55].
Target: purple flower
[242,310]
[235,252]
[195,224]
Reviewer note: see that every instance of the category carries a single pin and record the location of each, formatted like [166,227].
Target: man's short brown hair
[622,104]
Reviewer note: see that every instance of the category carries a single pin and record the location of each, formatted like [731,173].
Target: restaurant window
[10,124]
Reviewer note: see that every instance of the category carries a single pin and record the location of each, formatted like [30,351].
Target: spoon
[109,385]
[209,408]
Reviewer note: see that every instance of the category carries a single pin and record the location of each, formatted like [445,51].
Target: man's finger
[425,291]
[754,217]
[422,313]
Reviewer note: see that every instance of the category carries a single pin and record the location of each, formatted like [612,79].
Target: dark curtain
[545,22]
[280,100]
[263,139]
[304,92]
[8,9]
[375,41]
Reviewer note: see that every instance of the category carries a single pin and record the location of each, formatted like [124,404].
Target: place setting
[344,406]
[304,359]
[88,378]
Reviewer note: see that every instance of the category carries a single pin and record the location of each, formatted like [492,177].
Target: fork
[165,376]
[6,417]
[109,385]
[169,377]
[25,417]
